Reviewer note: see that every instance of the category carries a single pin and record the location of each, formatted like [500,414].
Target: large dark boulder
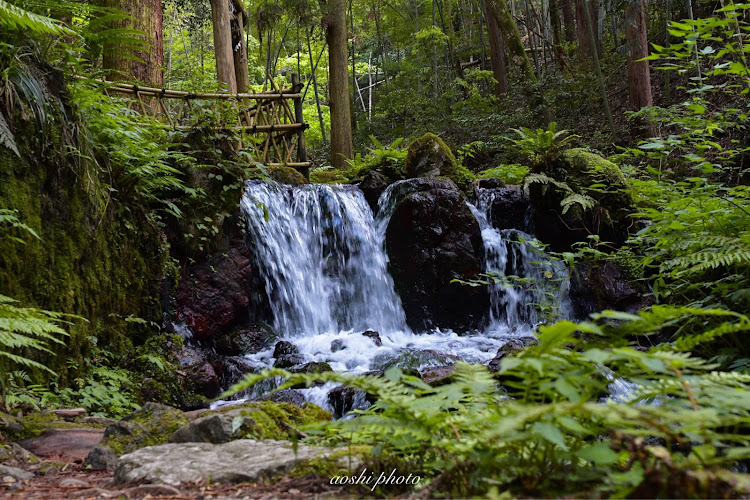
[250,339]
[433,238]
[597,286]
[588,175]
[214,297]
[372,186]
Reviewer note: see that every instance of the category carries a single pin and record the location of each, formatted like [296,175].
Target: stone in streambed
[287,355]
[374,336]
[243,460]
[372,186]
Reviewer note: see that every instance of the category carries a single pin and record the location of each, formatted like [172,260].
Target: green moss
[33,425]
[327,176]
[429,156]
[511,174]
[278,421]
[591,168]
[150,426]
[339,462]
[95,258]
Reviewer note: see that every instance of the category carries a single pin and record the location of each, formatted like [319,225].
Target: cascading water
[321,253]
[324,265]
[526,279]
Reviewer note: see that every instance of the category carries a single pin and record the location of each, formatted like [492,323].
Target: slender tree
[222,24]
[497,53]
[144,64]
[338,83]
[568,19]
[239,50]
[639,74]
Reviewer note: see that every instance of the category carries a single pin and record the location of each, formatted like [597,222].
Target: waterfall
[527,282]
[323,259]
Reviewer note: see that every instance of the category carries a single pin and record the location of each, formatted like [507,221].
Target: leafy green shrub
[550,430]
[388,160]
[511,174]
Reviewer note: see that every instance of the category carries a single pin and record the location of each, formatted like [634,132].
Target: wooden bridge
[272,118]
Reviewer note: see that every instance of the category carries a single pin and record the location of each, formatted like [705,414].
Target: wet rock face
[215,296]
[432,239]
[372,186]
[596,286]
[246,340]
[287,355]
[508,206]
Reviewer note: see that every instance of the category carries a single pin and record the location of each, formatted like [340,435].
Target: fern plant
[16,18]
[541,146]
[544,425]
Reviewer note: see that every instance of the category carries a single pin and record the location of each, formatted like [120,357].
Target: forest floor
[74,480]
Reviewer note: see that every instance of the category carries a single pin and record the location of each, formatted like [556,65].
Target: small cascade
[322,259]
[528,282]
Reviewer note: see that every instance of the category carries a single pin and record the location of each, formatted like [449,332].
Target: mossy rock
[287,175]
[429,156]
[271,420]
[599,180]
[511,174]
[151,425]
[327,176]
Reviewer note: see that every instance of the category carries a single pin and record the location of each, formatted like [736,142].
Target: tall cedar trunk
[338,84]
[595,7]
[568,19]
[639,74]
[497,53]
[146,16]
[582,34]
[239,52]
[222,21]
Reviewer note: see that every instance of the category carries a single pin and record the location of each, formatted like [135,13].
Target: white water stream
[322,255]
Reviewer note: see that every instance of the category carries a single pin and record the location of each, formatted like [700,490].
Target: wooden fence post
[301,147]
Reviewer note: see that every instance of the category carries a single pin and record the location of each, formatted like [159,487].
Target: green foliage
[16,18]
[550,432]
[138,156]
[541,146]
[388,160]
[510,174]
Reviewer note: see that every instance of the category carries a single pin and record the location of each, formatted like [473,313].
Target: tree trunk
[338,83]
[509,31]
[582,34]
[554,17]
[568,20]
[639,74]
[222,22]
[497,53]
[146,66]
[239,50]
[517,57]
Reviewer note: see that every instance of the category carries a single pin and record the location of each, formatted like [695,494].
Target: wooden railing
[276,125]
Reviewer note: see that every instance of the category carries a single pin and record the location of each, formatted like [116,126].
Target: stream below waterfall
[321,252]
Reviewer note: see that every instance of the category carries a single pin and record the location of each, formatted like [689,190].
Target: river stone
[101,458]
[374,336]
[433,239]
[291,396]
[236,461]
[215,429]
[15,473]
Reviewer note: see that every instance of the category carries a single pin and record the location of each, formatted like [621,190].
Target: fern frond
[16,18]
[585,201]
[6,136]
